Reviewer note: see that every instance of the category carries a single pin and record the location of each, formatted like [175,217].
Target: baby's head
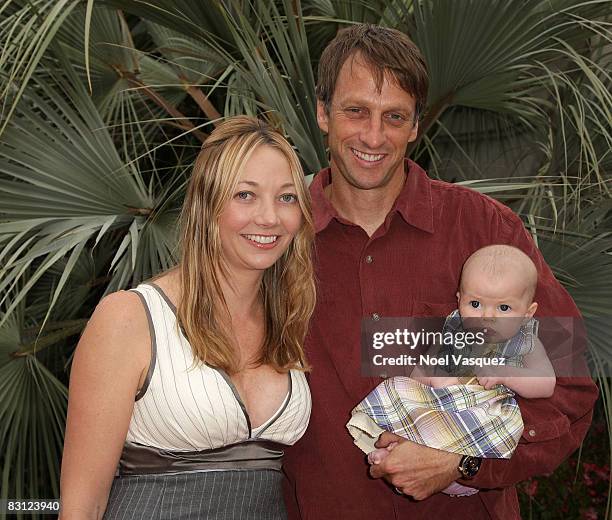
[497,281]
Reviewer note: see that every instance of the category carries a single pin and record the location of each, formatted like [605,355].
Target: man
[391,242]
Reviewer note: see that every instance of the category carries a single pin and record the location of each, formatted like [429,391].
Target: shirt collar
[414,202]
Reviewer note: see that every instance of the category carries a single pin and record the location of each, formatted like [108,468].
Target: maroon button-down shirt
[410,267]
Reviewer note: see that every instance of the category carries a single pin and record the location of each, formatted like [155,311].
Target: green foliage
[104,106]
[33,411]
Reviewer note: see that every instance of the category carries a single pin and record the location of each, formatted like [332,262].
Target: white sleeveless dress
[190,450]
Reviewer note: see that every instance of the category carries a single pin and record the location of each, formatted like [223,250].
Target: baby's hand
[377,456]
[489,382]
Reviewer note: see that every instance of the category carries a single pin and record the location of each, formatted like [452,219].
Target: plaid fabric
[464,419]
[513,350]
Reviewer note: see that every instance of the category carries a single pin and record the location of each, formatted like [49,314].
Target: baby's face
[499,305]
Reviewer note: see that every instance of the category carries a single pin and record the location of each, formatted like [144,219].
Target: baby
[495,297]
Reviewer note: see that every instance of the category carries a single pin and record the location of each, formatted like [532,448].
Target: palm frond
[276,66]
[65,185]
[25,35]
[33,406]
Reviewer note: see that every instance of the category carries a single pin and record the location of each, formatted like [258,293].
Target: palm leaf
[32,415]
[277,69]
[25,35]
[65,184]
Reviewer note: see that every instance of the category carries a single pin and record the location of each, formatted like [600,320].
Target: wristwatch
[469,466]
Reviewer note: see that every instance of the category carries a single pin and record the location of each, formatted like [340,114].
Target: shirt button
[532,433]
[375,316]
[368,259]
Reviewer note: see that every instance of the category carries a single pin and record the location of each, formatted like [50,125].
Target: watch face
[473,465]
[470,466]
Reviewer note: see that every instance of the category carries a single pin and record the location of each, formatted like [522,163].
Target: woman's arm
[110,363]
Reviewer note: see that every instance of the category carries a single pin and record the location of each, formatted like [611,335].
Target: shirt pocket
[542,423]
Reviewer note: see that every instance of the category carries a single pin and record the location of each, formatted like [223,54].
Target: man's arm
[554,427]
[551,434]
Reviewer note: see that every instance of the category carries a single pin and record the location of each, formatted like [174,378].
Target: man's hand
[414,469]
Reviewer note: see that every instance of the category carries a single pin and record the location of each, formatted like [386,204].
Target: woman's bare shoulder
[119,326]
[120,308]
[119,299]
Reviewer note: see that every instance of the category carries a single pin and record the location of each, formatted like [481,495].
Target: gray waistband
[138,459]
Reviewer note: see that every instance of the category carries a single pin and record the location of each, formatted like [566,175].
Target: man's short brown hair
[385,51]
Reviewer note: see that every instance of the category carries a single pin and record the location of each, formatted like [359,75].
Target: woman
[186,389]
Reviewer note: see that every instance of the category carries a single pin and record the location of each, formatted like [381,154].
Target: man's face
[368,130]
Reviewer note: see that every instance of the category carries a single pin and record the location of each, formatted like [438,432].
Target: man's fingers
[383,470]
[413,490]
[420,496]
[387,438]
[377,456]
[377,471]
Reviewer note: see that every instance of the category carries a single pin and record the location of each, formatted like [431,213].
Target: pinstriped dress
[190,451]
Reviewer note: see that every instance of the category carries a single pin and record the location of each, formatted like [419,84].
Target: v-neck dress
[191,451]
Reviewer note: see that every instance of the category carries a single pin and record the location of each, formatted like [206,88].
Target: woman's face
[263,214]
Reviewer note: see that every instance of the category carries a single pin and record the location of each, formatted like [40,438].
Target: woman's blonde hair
[288,291]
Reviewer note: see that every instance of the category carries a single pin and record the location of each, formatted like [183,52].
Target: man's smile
[368,157]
